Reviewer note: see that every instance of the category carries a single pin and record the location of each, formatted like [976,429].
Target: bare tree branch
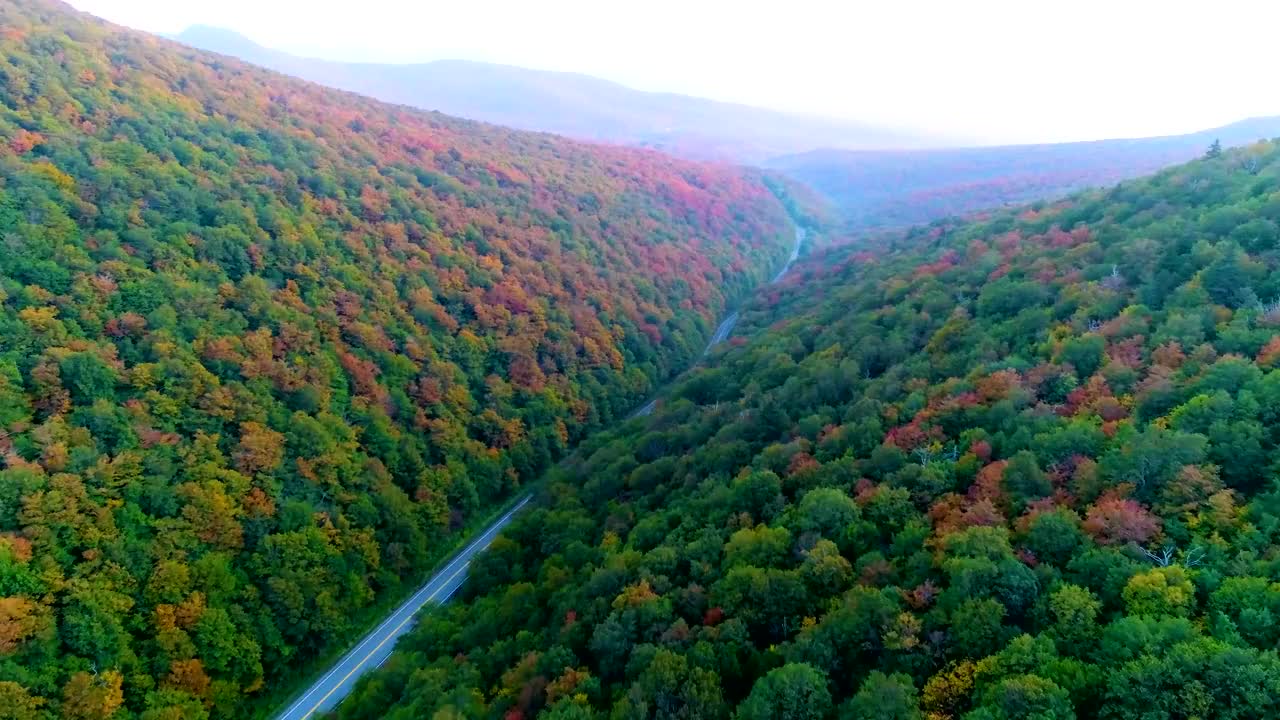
[1167,555]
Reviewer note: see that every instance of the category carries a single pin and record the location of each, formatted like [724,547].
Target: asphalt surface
[722,332]
[795,254]
[377,646]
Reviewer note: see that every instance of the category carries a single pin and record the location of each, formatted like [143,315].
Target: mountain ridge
[892,182]
[592,108]
[899,188]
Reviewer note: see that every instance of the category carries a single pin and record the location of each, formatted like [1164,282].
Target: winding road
[374,649]
[726,325]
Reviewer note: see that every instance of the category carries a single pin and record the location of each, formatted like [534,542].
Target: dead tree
[1167,555]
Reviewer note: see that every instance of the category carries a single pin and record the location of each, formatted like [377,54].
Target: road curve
[377,646]
[726,325]
[722,332]
[795,254]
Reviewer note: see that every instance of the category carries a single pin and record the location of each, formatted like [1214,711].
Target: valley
[593,403]
[372,650]
[726,325]
[878,189]
[994,469]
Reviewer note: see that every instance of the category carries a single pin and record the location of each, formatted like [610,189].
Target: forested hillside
[1024,468]
[265,347]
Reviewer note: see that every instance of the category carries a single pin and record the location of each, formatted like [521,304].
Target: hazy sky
[984,69]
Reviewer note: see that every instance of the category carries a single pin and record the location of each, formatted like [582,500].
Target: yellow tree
[92,696]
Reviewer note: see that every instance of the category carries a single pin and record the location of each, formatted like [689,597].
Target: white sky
[990,70]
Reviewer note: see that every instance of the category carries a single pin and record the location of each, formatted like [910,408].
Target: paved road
[647,409]
[795,254]
[377,646]
[726,325]
[722,332]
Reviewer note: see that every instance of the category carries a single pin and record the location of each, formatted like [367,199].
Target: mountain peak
[214,31]
[221,40]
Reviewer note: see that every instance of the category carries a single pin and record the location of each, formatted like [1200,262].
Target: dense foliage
[1023,468]
[877,189]
[265,347]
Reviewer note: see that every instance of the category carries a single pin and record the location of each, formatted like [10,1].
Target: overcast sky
[985,69]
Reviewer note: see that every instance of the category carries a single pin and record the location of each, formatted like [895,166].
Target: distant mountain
[900,188]
[876,177]
[571,104]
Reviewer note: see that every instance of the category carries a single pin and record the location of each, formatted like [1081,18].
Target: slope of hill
[265,347]
[1022,468]
[901,188]
[569,104]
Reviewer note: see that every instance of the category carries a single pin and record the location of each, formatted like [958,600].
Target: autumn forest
[1014,467]
[266,348]
[270,352]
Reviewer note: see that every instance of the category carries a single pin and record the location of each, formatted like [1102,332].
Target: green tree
[977,628]
[1198,678]
[1024,478]
[883,697]
[1160,591]
[1024,697]
[88,378]
[824,570]
[1074,613]
[1150,458]
[827,512]
[795,691]
[670,687]
[761,546]
[1054,536]
[1084,354]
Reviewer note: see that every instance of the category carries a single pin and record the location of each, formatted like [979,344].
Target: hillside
[569,104]
[878,189]
[266,348]
[1020,468]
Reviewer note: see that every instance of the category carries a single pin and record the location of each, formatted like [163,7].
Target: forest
[267,349]
[1022,467]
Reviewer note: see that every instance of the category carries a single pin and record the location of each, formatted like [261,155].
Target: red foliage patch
[713,617]
[1114,520]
